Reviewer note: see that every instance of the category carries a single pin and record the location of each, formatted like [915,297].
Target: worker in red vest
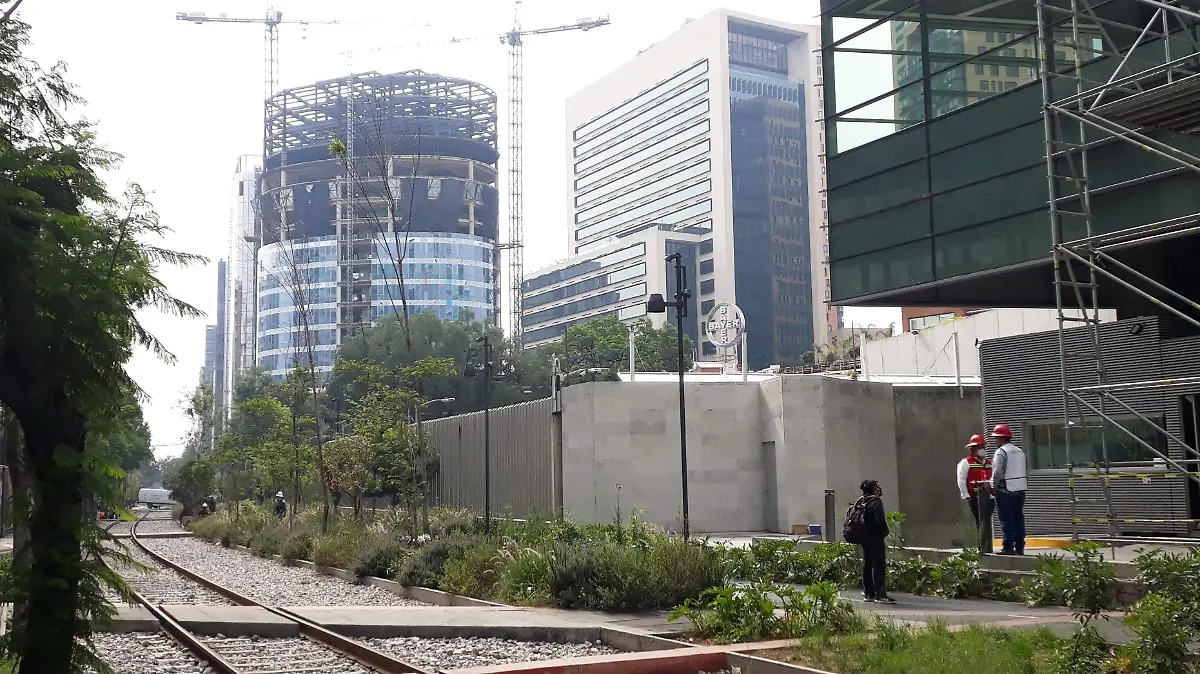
[974,474]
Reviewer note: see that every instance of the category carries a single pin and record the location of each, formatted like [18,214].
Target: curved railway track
[317,651]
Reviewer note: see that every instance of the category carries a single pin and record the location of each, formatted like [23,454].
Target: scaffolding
[1150,100]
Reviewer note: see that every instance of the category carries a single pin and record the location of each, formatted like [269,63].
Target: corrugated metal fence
[520,457]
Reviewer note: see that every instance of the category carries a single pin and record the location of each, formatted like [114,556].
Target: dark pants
[974,503]
[1010,506]
[874,576]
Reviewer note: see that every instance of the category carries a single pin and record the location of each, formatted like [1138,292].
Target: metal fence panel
[520,456]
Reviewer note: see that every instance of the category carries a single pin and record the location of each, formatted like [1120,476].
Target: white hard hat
[278,494]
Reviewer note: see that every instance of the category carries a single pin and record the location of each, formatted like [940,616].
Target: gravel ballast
[439,654]
[275,656]
[162,585]
[269,582]
[146,653]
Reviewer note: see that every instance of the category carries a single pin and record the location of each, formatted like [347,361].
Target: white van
[156,498]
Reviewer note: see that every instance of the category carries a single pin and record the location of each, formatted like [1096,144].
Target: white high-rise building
[710,143]
[241,305]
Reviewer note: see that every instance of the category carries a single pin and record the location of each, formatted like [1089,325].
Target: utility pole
[657,305]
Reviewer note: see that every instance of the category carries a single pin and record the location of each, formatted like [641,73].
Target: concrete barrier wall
[520,459]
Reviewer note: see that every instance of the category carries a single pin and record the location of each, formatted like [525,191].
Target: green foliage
[475,573]
[268,543]
[194,482]
[837,563]
[913,574]
[1173,576]
[959,576]
[1163,630]
[342,547]
[765,611]
[523,575]
[608,576]
[425,566]
[897,538]
[297,546]
[1084,583]
[383,558]
[888,648]
[604,344]
[1085,653]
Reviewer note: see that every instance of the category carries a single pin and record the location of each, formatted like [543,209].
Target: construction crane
[271,21]
[515,39]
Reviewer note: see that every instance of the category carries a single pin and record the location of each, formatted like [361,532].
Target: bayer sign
[725,325]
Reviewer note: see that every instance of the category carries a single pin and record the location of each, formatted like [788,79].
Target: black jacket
[875,517]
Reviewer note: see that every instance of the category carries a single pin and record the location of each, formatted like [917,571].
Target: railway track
[317,651]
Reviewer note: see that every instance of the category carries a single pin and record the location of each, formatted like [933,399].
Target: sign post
[725,327]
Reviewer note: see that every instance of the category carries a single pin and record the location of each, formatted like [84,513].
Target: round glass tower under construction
[379,193]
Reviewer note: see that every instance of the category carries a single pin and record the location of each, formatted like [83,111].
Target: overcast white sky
[181,102]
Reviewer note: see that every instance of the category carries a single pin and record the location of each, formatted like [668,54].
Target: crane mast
[516,149]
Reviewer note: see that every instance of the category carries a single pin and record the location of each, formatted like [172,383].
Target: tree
[603,344]
[194,482]
[76,268]
[200,406]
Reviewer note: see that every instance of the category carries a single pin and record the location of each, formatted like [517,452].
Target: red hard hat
[1001,431]
[976,441]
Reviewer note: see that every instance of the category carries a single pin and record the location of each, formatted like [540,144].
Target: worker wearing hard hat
[974,474]
[1010,477]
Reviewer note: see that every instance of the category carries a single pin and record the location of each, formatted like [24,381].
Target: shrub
[472,575]
[341,549]
[425,566]
[1048,585]
[837,563]
[177,513]
[736,614]
[214,527]
[683,569]
[383,559]
[523,575]
[768,561]
[959,576]
[268,542]
[297,546]
[912,575]
[1162,626]
[1173,576]
[602,576]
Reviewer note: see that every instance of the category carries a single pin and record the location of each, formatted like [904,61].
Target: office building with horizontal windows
[707,144]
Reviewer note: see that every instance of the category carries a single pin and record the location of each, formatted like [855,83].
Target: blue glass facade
[450,274]
[771,222]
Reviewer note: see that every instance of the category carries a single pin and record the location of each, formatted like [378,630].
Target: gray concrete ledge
[448,622]
[232,621]
[129,619]
[160,534]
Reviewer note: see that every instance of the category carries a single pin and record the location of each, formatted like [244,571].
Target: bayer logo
[724,325]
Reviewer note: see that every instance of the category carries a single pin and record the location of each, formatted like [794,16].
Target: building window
[706,306]
[995,70]
[706,266]
[1046,442]
[706,247]
[707,287]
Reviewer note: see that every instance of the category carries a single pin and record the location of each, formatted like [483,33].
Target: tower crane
[515,39]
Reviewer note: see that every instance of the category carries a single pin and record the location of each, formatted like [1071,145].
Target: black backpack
[855,529]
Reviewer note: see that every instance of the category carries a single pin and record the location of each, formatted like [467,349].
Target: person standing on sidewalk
[974,474]
[874,543]
[1010,478]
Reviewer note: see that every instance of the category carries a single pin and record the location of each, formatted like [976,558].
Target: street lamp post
[470,371]
[657,305]
[424,463]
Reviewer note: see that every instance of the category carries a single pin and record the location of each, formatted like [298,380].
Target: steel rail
[177,632]
[351,648]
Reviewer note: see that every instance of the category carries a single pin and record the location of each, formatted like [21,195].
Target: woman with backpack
[866,526]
